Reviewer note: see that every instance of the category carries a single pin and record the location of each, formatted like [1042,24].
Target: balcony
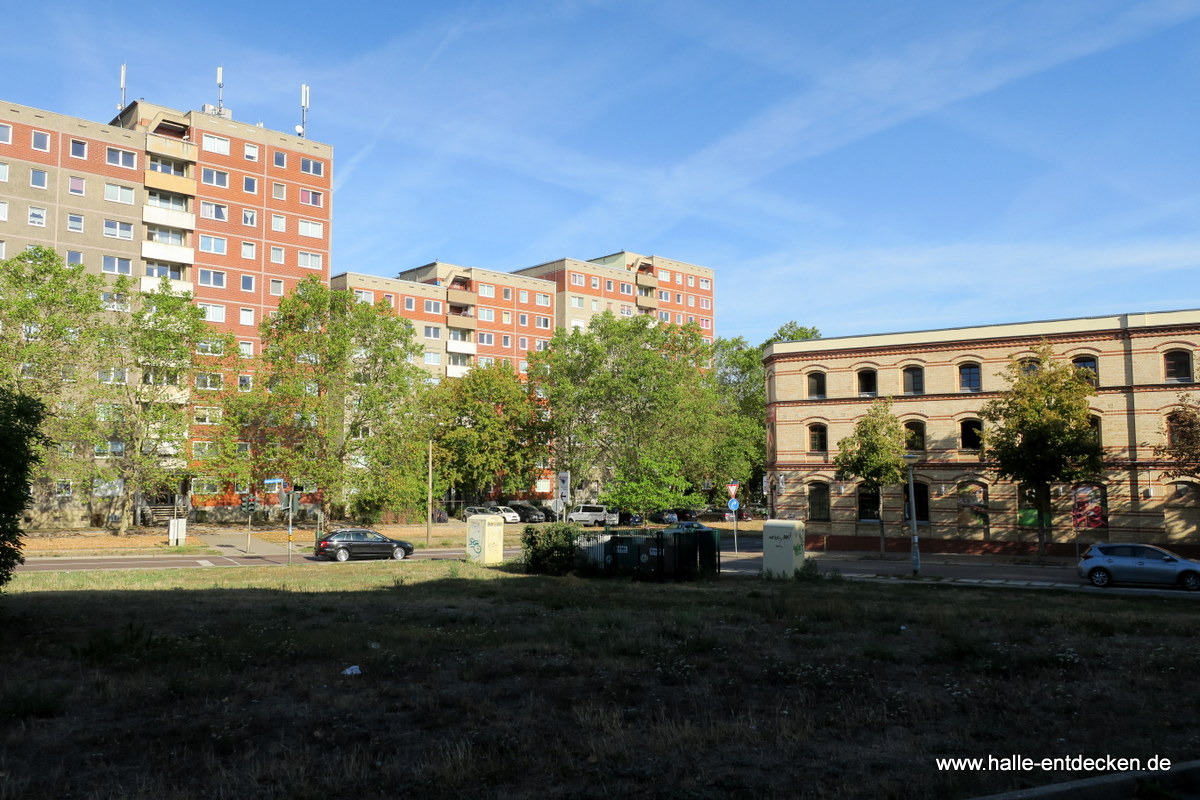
[647,279]
[170,147]
[454,346]
[169,218]
[454,371]
[157,251]
[149,284]
[461,297]
[170,183]
[648,302]
[462,321]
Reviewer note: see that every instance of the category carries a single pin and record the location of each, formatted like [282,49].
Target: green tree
[21,418]
[874,454]
[334,374]
[1041,429]
[654,484]
[1182,439]
[489,430]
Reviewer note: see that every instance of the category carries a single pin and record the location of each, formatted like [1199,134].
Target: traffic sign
[732,486]
[734,504]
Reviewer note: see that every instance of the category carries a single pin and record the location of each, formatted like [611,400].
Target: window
[313,229]
[1089,363]
[37,216]
[487,290]
[250,151]
[523,296]
[542,299]
[245,383]
[310,260]
[543,322]
[212,244]
[914,380]
[627,288]
[312,166]
[210,347]
[213,312]
[970,434]
[506,341]
[246,349]
[410,304]
[76,185]
[816,385]
[112,375]
[818,438]
[487,314]
[310,197]
[278,222]
[121,158]
[921,493]
[156,233]
[868,505]
[215,144]
[111,448]
[208,380]
[705,303]
[1177,366]
[62,488]
[433,359]
[167,166]
[207,415]
[172,202]
[203,450]
[41,141]
[433,306]
[250,217]
[73,256]
[118,230]
[115,265]
[364,296]
[390,299]
[914,435]
[487,339]
[246,316]
[277,255]
[969,377]
[214,177]
[276,287]
[250,185]
[216,211]
[522,319]
[867,386]
[248,251]
[4,172]
[280,158]
[595,283]
[577,279]
[74,222]
[433,332]
[576,302]
[523,344]
[5,134]
[818,502]
[157,269]
[278,191]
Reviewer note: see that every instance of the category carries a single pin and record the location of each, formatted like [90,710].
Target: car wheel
[1190,581]
[398,553]
[1100,577]
[342,554]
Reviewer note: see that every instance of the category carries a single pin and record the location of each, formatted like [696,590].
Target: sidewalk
[234,543]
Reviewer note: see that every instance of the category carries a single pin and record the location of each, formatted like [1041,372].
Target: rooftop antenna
[220,88]
[303,110]
[121,107]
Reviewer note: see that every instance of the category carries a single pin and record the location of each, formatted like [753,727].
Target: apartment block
[232,212]
[938,381]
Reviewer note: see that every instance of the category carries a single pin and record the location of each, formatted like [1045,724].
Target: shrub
[550,550]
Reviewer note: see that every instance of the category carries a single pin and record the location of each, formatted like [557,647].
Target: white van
[592,515]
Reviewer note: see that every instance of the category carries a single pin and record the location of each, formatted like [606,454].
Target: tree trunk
[882,537]
[1043,514]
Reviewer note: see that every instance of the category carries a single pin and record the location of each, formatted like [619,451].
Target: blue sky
[858,166]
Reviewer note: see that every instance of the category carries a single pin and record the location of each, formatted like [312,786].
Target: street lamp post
[429,497]
[910,459]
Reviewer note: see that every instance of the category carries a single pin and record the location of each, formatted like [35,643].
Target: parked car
[630,518]
[679,527]
[528,513]
[344,544]
[1106,564]
[549,513]
[592,515]
[506,512]
[471,511]
[715,515]
[685,515]
[666,517]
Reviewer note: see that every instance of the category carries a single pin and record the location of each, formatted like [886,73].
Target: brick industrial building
[938,380]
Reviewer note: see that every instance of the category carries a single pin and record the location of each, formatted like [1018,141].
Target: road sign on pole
[733,487]
[564,487]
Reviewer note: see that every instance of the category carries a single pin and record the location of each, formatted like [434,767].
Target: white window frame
[37,217]
[213,312]
[311,229]
[74,223]
[276,283]
[310,166]
[116,157]
[277,255]
[211,210]
[35,175]
[309,260]
[215,144]
[214,177]
[249,250]
[217,245]
[213,278]
[71,179]
[250,217]
[246,316]
[115,229]
[279,223]
[250,151]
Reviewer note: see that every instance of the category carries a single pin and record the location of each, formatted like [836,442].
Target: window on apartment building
[315,230]
[207,415]
[212,244]
[523,344]
[595,282]
[247,283]
[160,269]
[214,177]
[818,502]
[970,377]
[706,303]
[76,186]
[215,144]
[115,265]
[217,211]
[4,212]
[679,277]
[608,286]
[310,260]
[691,280]
[577,279]
[278,222]
[1177,366]
[487,339]
[121,158]
[74,222]
[867,383]
[167,166]
[627,311]
[678,299]
[210,347]
[276,287]
[157,233]
[311,166]
[542,299]
[107,449]
[679,319]
[433,332]
[280,158]
[691,300]
[213,312]
[364,296]
[279,191]
[627,288]
[433,306]
[245,383]
[868,505]
[818,438]
[118,194]
[209,277]
[250,151]
[507,293]
[522,319]
[246,349]
[433,359]
[167,200]
[246,316]
[705,323]
[41,141]
[250,217]
[390,299]
[664,296]
[410,304]
[914,380]
[523,296]
[506,341]
[311,197]
[914,434]
[277,255]
[1091,365]
[576,302]
[113,375]
[705,283]
[970,434]
[248,249]
[5,134]
[3,173]
[250,185]
[115,229]
[486,314]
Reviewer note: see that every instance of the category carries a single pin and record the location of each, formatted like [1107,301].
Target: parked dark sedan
[685,515]
[528,513]
[664,517]
[630,518]
[347,543]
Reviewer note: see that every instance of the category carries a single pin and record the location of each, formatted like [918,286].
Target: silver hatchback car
[1106,564]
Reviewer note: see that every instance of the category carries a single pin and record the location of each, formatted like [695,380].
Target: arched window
[868,504]
[970,378]
[921,490]
[816,385]
[1029,365]
[818,502]
[1089,506]
[1181,511]
[1177,366]
[914,380]
[1094,422]
[970,434]
[867,383]
[1181,428]
[972,508]
[914,432]
[818,438]
[1027,515]
[1089,363]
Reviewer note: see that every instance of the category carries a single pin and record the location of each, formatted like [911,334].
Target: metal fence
[650,554]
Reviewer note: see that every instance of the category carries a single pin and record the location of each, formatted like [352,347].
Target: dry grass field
[227,683]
